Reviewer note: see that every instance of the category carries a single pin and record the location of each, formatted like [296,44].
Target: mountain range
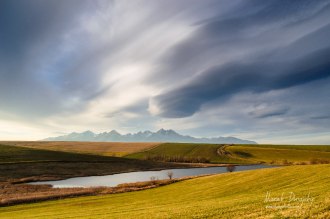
[161,135]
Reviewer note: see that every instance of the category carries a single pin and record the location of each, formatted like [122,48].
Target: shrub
[318,161]
[153,179]
[231,168]
[286,162]
[170,174]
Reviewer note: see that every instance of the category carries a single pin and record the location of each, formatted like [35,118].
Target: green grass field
[229,195]
[117,149]
[21,162]
[324,148]
[239,154]
[189,150]
[14,154]
[278,154]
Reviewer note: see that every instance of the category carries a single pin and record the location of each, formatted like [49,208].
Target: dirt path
[222,151]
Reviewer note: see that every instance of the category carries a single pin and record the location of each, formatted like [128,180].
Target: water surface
[140,176]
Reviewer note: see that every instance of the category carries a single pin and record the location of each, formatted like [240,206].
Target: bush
[153,178]
[286,162]
[231,168]
[318,161]
[170,174]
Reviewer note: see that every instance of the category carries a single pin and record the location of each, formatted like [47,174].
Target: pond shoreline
[95,191]
[36,193]
[112,180]
[175,166]
[60,193]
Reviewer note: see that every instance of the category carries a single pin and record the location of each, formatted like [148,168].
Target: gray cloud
[38,76]
[269,112]
[225,81]
[258,71]
[322,117]
[242,31]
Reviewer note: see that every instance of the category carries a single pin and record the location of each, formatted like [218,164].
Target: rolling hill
[238,154]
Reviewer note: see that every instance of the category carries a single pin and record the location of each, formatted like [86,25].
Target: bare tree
[170,174]
[231,168]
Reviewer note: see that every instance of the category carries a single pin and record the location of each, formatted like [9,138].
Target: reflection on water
[115,179]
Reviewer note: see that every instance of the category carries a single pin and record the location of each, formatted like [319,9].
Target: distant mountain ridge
[161,135]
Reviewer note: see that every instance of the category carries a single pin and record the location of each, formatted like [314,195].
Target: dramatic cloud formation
[256,69]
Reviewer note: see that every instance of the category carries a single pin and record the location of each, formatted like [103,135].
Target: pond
[140,176]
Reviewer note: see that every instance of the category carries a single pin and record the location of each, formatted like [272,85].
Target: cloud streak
[259,70]
[225,81]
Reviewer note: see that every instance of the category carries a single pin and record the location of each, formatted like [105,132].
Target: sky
[252,69]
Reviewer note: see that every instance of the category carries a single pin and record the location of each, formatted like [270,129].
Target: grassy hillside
[13,154]
[180,152]
[240,154]
[21,162]
[278,154]
[230,195]
[324,148]
[99,148]
[187,150]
